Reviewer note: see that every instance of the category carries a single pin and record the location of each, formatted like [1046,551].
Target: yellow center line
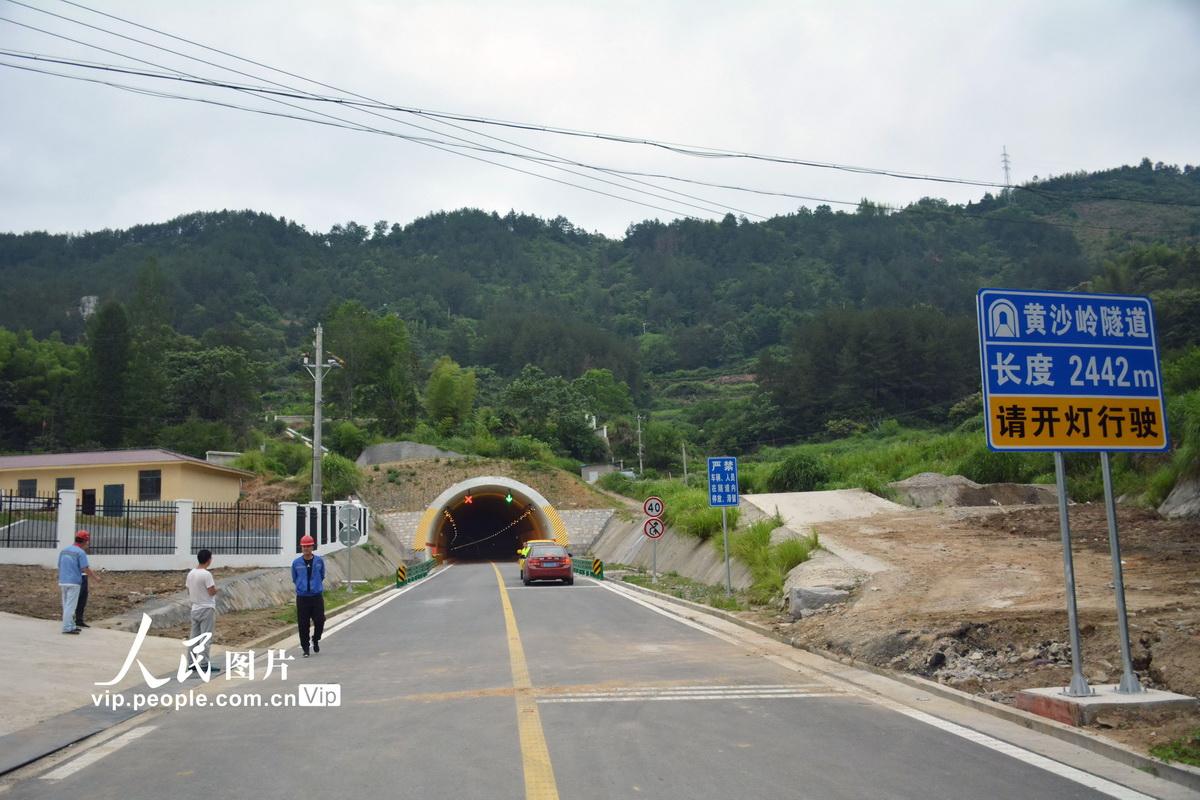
[539,774]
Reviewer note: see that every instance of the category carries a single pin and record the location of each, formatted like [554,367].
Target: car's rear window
[544,550]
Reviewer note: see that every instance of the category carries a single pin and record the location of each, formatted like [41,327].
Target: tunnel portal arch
[486,518]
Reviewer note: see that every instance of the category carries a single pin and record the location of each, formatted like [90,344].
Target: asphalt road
[469,684]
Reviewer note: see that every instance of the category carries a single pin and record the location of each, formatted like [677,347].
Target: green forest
[514,335]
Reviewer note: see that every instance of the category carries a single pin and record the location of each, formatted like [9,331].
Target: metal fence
[235,528]
[130,528]
[28,521]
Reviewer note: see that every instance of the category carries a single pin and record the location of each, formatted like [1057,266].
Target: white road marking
[355,618]
[97,753]
[1033,759]
[657,693]
[660,697]
[1021,754]
[733,687]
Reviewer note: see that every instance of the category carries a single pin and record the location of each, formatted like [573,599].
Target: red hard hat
[83,535]
[307,541]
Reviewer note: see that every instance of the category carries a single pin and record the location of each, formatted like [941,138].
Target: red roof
[106,458]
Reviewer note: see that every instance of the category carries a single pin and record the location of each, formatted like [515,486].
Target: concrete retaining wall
[623,542]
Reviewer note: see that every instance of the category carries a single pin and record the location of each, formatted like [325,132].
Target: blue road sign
[722,481]
[1068,371]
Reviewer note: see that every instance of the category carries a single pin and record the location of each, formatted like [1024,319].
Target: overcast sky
[924,87]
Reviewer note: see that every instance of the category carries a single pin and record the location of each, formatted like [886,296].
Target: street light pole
[318,368]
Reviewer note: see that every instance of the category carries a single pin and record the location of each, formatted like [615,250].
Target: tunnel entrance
[485,527]
[487,519]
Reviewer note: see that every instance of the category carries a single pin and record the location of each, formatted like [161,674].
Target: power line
[340,122]
[374,103]
[354,126]
[446,146]
[305,95]
[347,125]
[693,150]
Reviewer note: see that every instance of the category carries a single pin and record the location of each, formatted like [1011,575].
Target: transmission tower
[1004,160]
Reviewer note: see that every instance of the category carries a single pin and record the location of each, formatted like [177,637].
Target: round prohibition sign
[654,506]
[654,528]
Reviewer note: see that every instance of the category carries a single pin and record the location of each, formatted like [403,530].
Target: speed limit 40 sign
[654,528]
[653,507]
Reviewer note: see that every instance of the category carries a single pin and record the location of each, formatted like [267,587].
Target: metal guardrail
[409,574]
[594,569]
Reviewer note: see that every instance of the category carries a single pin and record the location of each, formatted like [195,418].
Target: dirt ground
[975,599]
[33,592]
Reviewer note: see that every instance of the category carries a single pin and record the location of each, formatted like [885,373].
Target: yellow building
[110,478]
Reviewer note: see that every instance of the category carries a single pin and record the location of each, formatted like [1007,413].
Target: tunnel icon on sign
[1002,320]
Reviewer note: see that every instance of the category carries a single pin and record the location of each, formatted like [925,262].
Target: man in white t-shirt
[202,590]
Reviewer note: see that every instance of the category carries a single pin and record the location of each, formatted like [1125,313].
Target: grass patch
[687,509]
[1185,750]
[338,597]
[769,564]
[872,459]
[676,585]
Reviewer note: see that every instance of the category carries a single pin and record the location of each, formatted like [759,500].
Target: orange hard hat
[84,535]
[307,541]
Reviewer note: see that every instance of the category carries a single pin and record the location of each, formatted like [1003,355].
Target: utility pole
[1007,164]
[639,429]
[684,446]
[318,368]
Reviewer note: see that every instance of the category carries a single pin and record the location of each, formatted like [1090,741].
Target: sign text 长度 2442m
[1067,371]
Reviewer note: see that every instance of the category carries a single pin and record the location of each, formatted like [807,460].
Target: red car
[548,562]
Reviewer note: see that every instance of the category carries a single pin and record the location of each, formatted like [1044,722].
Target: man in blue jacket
[308,573]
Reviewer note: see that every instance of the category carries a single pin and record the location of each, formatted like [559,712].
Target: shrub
[985,466]
[525,448]
[288,458]
[340,478]
[346,439]
[752,478]
[484,444]
[969,407]
[253,460]
[799,472]
[616,482]
[843,428]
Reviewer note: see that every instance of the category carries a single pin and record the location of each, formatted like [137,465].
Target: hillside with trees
[511,334]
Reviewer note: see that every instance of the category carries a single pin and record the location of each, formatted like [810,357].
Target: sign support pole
[725,534]
[654,563]
[1129,682]
[1079,685]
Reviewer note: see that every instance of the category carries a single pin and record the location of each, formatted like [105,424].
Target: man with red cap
[308,574]
[72,566]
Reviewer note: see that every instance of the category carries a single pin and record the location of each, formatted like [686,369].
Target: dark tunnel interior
[486,527]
